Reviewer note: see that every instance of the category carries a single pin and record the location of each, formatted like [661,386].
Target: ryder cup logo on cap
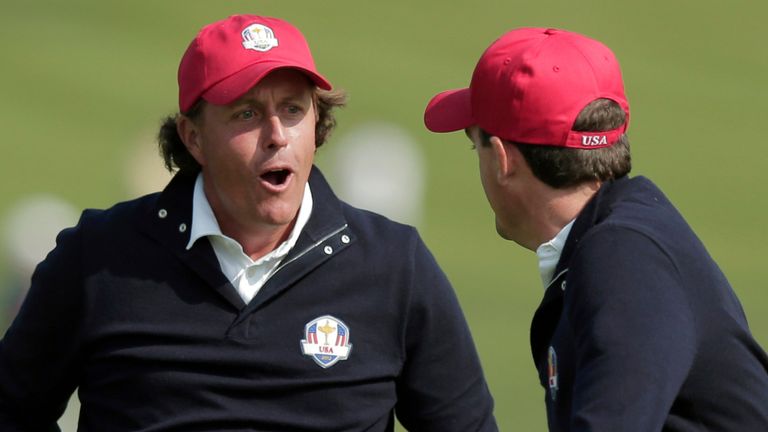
[259,37]
[229,57]
[529,87]
[326,340]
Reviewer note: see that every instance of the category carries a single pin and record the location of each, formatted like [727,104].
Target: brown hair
[562,167]
[177,157]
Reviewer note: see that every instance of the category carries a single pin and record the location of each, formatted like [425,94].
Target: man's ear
[316,106]
[189,132]
[506,158]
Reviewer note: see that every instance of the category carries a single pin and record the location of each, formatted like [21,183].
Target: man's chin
[502,233]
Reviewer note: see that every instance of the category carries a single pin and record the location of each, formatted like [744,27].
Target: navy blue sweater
[640,330]
[157,339]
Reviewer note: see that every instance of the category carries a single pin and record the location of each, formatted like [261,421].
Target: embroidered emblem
[552,373]
[595,140]
[331,344]
[259,37]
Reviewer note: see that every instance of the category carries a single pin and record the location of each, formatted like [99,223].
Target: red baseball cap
[227,58]
[530,85]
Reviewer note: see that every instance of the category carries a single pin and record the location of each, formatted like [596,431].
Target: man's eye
[245,114]
[294,109]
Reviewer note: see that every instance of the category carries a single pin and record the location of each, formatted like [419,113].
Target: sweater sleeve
[442,387]
[39,352]
[634,332]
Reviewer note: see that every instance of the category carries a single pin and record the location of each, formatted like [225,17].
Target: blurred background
[84,84]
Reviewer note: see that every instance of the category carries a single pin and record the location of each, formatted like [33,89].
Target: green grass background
[84,82]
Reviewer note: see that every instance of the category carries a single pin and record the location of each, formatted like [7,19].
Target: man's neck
[257,243]
[557,208]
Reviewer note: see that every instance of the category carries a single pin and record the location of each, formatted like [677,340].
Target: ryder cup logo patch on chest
[259,37]
[326,340]
[552,373]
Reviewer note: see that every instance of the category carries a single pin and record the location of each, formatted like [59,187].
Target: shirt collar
[204,222]
[549,254]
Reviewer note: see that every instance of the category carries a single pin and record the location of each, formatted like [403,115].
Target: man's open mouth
[276,177]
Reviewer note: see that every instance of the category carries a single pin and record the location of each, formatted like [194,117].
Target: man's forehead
[282,83]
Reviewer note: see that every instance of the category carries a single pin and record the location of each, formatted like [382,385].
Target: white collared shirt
[245,274]
[549,254]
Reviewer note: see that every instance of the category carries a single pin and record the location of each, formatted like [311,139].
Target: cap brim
[449,111]
[231,88]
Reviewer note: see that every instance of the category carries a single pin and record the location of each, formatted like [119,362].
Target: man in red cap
[638,329]
[244,296]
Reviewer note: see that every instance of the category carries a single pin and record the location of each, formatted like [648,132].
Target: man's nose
[275,136]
